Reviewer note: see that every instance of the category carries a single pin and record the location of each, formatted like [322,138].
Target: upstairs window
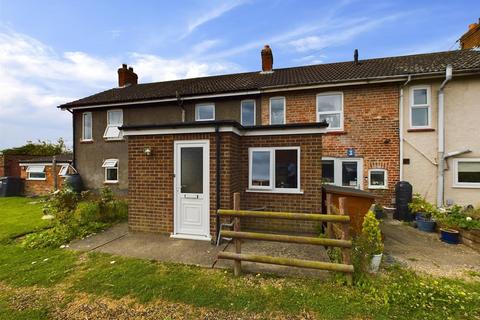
[87,126]
[36,173]
[330,109]
[205,112]
[274,169]
[420,111]
[111,170]
[277,110]
[247,112]
[114,121]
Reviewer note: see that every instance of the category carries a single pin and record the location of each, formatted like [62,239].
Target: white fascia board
[42,164]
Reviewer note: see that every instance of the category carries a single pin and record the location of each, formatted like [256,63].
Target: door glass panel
[349,174]
[192,170]
[286,164]
[328,171]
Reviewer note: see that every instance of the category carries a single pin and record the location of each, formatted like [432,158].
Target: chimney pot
[267,59]
[472,26]
[126,76]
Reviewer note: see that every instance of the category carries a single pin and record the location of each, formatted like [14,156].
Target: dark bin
[403,196]
[11,186]
[75,182]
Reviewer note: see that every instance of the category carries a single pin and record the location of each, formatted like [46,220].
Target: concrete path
[118,240]
[424,251]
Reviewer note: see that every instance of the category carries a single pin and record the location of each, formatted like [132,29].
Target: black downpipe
[73,138]
[218,178]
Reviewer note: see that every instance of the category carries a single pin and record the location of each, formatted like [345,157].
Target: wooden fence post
[329,211]
[237,264]
[346,259]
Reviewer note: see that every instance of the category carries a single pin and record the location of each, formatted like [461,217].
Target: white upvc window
[111,170]
[114,121]
[466,172]
[346,172]
[277,110]
[205,112]
[87,126]
[36,172]
[420,107]
[247,112]
[377,179]
[63,170]
[274,169]
[330,109]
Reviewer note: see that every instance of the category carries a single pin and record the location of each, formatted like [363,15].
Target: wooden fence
[237,235]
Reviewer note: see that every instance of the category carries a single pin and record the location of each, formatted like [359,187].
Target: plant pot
[375,262]
[419,216]
[450,236]
[426,225]
[379,214]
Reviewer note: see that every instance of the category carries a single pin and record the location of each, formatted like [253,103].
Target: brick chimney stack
[267,59]
[471,39]
[126,76]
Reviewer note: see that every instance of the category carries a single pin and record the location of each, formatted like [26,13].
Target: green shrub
[61,204]
[420,205]
[51,238]
[87,212]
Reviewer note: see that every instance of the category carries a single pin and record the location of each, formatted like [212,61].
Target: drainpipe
[180,104]
[400,124]
[217,179]
[73,140]
[441,138]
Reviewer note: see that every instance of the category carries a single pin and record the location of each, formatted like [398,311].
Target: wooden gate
[237,235]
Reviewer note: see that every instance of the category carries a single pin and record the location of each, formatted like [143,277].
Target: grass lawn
[56,283]
[19,216]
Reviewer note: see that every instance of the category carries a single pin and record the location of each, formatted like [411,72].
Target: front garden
[39,280]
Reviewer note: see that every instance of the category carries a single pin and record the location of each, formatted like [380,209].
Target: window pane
[469,172]
[349,173]
[36,175]
[205,112]
[286,164]
[261,168]
[112,174]
[419,96]
[332,119]
[248,113]
[277,111]
[192,170]
[115,118]
[112,132]
[87,126]
[329,103]
[377,178]
[420,117]
[328,171]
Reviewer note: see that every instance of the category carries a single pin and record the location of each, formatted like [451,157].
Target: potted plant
[372,238]
[449,219]
[378,209]
[424,213]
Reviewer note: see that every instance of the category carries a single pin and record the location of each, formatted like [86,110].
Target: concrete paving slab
[161,247]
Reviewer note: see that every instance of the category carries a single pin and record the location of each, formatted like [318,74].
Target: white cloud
[211,13]
[35,79]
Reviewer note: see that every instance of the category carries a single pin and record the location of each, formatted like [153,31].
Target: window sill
[335,132]
[110,182]
[275,191]
[86,141]
[36,179]
[377,188]
[459,186]
[420,130]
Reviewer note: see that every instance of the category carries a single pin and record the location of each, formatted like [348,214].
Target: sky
[52,52]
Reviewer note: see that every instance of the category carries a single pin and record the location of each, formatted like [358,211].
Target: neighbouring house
[181,148]
[41,177]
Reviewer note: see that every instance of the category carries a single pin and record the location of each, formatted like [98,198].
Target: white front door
[191,190]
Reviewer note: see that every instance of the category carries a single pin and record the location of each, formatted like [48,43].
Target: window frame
[428,105]
[120,136]
[116,167]
[36,179]
[341,112]
[271,188]
[254,111]
[204,104]
[456,183]
[83,126]
[385,179]
[337,171]
[284,110]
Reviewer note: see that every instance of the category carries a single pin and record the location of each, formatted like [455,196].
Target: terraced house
[179,149]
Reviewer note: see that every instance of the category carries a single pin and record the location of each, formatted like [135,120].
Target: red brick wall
[41,187]
[370,126]
[151,198]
